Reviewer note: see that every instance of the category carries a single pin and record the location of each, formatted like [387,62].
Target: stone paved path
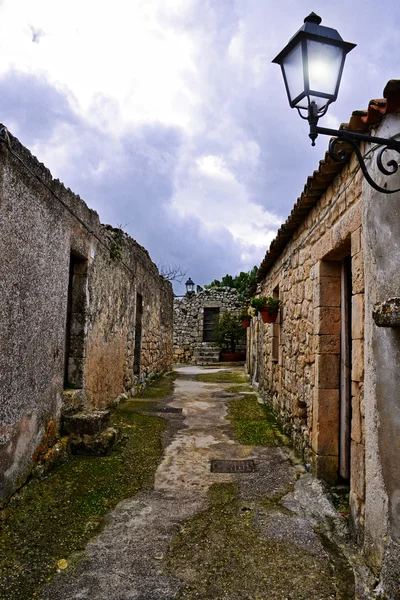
[271,534]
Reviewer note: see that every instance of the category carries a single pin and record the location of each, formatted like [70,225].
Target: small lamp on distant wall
[190,286]
[312,65]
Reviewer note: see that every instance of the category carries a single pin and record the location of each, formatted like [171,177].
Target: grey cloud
[134,178]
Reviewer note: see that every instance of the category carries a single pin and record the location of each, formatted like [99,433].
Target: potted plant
[267,306]
[245,317]
[228,332]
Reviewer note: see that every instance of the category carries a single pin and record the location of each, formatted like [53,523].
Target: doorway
[138,335]
[76,323]
[210,320]
[345,370]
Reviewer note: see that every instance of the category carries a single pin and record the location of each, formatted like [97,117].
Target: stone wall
[189,319]
[299,362]
[71,293]
[296,361]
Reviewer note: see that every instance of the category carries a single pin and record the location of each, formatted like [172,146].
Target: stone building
[331,374]
[194,319]
[82,307]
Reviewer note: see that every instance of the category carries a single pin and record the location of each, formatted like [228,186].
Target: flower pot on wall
[268,317]
[246,321]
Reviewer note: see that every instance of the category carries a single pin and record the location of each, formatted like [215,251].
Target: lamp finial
[313,18]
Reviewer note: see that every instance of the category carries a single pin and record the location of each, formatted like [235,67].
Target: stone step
[86,422]
[94,445]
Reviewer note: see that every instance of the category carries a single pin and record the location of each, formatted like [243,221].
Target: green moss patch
[161,387]
[223,377]
[51,519]
[220,554]
[239,389]
[254,424]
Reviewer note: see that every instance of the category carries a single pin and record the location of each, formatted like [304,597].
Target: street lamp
[312,66]
[190,286]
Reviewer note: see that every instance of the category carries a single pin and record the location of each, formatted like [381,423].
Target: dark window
[210,318]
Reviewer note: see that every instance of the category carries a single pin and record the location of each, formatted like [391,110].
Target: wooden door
[210,318]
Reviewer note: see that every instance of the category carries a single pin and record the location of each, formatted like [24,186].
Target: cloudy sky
[168,117]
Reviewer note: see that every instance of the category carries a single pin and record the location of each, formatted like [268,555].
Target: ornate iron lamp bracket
[354,139]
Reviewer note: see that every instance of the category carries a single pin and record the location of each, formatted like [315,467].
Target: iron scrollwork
[339,149]
[342,154]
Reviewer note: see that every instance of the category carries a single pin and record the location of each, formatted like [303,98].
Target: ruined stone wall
[113,286]
[41,238]
[296,362]
[189,319]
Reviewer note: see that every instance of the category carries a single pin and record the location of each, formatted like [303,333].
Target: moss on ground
[221,554]
[160,387]
[254,424]
[223,377]
[239,389]
[51,519]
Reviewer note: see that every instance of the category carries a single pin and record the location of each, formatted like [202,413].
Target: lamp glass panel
[324,62]
[292,65]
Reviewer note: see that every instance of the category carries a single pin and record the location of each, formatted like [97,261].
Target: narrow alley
[269,534]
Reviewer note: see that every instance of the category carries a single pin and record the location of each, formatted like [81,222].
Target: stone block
[98,445]
[86,422]
[327,268]
[325,422]
[356,241]
[327,291]
[357,469]
[325,467]
[308,289]
[327,367]
[357,273]
[357,316]
[327,321]
[357,357]
[323,246]
[327,344]
[348,223]
[357,417]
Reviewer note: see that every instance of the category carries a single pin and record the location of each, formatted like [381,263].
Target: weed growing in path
[254,424]
[223,377]
[161,387]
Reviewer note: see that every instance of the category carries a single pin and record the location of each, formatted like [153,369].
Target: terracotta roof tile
[360,121]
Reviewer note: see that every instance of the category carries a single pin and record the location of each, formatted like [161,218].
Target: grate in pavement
[169,409]
[232,466]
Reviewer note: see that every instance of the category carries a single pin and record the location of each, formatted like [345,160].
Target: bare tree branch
[172,272]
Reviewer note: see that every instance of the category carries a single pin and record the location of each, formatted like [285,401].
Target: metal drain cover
[169,409]
[232,466]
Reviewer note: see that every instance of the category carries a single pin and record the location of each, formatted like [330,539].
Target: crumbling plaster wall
[37,236]
[381,227]
[189,318]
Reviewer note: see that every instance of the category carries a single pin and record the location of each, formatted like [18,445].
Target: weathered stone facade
[326,368]
[83,306]
[189,314]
